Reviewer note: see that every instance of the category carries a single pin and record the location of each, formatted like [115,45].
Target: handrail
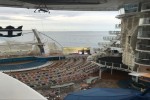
[146,59]
[112,65]
[145,34]
[146,21]
[110,38]
[142,61]
[114,32]
[143,47]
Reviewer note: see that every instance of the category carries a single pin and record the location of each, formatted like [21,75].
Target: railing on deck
[145,61]
[112,65]
[143,47]
[114,32]
[144,34]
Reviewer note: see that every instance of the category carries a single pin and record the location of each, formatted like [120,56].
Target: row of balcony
[144,34]
[143,58]
[143,44]
[131,8]
[106,44]
[145,7]
[118,26]
[142,61]
[110,38]
[144,21]
[114,32]
[113,65]
[143,47]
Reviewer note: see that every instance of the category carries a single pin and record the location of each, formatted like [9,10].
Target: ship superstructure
[135,38]
[110,46]
[135,23]
[135,35]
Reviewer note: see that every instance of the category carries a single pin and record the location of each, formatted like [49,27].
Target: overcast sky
[59,20]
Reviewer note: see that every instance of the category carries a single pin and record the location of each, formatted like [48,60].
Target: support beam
[39,41]
[100,73]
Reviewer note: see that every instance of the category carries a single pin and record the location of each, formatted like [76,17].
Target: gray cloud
[59,20]
[5,18]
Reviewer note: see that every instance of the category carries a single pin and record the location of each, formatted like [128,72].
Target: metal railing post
[112,68]
[100,74]
[99,61]
[120,66]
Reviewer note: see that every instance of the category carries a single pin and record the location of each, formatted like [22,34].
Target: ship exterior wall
[128,39]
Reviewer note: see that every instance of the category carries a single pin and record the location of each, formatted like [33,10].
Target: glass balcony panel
[129,8]
[118,26]
[144,21]
[144,34]
[121,11]
[114,32]
[143,47]
[143,58]
[110,38]
[146,7]
[143,61]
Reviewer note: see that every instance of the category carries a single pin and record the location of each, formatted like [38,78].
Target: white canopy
[12,89]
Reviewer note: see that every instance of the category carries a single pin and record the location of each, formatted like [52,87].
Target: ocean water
[78,38]
[67,38]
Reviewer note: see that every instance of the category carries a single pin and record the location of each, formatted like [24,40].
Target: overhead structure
[76,5]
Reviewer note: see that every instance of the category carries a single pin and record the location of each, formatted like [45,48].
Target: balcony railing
[142,61]
[129,8]
[144,34]
[114,32]
[110,38]
[112,65]
[145,7]
[144,21]
[104,43]
[143,47]
[118,26]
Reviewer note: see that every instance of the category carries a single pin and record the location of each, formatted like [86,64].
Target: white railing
[114,32]
[112,65]
[144,21]
[110,38]
[118,26]
[144,34]
[143,47]
[145,7]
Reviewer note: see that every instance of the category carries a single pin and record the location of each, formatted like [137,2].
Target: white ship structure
[135,38]
[110,47]
[134,42]
[13,48]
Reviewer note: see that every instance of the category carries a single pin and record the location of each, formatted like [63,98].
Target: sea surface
[78,38]
[67,38]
